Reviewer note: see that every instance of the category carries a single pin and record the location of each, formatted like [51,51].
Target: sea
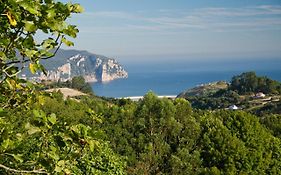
[171,77]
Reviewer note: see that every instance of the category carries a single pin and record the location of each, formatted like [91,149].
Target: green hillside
[151,136]
[243,91]
[204,89]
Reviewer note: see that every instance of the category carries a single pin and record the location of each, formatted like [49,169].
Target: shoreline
[137,98]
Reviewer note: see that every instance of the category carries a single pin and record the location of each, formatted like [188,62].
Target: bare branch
[18,61]
[14,74]
[57,49]
[22,171]
[44,58]
[12,40]
[1,81]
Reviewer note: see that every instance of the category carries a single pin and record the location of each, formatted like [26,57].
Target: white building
[260,95]
[233,107]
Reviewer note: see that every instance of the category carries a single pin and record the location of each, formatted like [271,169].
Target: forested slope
[152,136]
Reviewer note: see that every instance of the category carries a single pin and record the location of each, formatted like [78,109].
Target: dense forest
[249,82]
[43,133]
[153,136]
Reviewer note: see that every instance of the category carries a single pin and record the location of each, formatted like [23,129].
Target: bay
[174,77]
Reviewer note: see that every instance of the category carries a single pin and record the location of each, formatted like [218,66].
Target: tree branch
[17,61]
[43,58]
[22,171]
[57,49]
[12,40]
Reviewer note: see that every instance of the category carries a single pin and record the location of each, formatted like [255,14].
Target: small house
[233,107]
[260,95]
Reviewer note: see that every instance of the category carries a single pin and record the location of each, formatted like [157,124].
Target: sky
[189,29]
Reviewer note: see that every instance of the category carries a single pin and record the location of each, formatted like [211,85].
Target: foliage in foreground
[31,139]
[35,140]
[152,136]
[21,21]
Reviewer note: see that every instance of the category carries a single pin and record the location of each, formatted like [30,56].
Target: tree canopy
[21,21]
[249,82]
[31,140]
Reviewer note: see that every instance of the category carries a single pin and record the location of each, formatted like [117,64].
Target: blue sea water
[171,78]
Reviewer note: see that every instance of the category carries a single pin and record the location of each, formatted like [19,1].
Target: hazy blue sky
[185,28]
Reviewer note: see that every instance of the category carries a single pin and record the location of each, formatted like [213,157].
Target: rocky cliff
[69,63]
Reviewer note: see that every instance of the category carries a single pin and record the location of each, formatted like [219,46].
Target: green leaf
[36,113]
[93,144]
[48,54]
[41,100]
[67,42]
[4,41]
[51,13]
[61,163]
[77,8]
[17,157]
[30,53]
[71,30]
[2,114]
[32,68]
[6,144]
[53,119]
[19,136]
[49,43]
[30,26]
[30,8]
[31,129]
[29,42]
[53,153]
[59,25]
[11,83]
[58,169]
[3,56]
[67,171]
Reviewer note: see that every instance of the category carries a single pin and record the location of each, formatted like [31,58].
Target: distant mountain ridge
[67,64]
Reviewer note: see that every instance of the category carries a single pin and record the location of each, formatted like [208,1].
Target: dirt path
[67,92]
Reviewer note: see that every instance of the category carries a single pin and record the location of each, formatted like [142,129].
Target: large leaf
[31,8]
[32,68]
[30,26]
[17,157]
[53,119]
[77,8]
[11,18]
[31,129]
[67,42]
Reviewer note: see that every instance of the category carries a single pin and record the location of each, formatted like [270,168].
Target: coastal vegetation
[77,83]
[249,82]
[43,133]
[250,92]
[151,136]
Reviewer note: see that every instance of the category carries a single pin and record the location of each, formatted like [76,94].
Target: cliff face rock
[94,68]
[112,70]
